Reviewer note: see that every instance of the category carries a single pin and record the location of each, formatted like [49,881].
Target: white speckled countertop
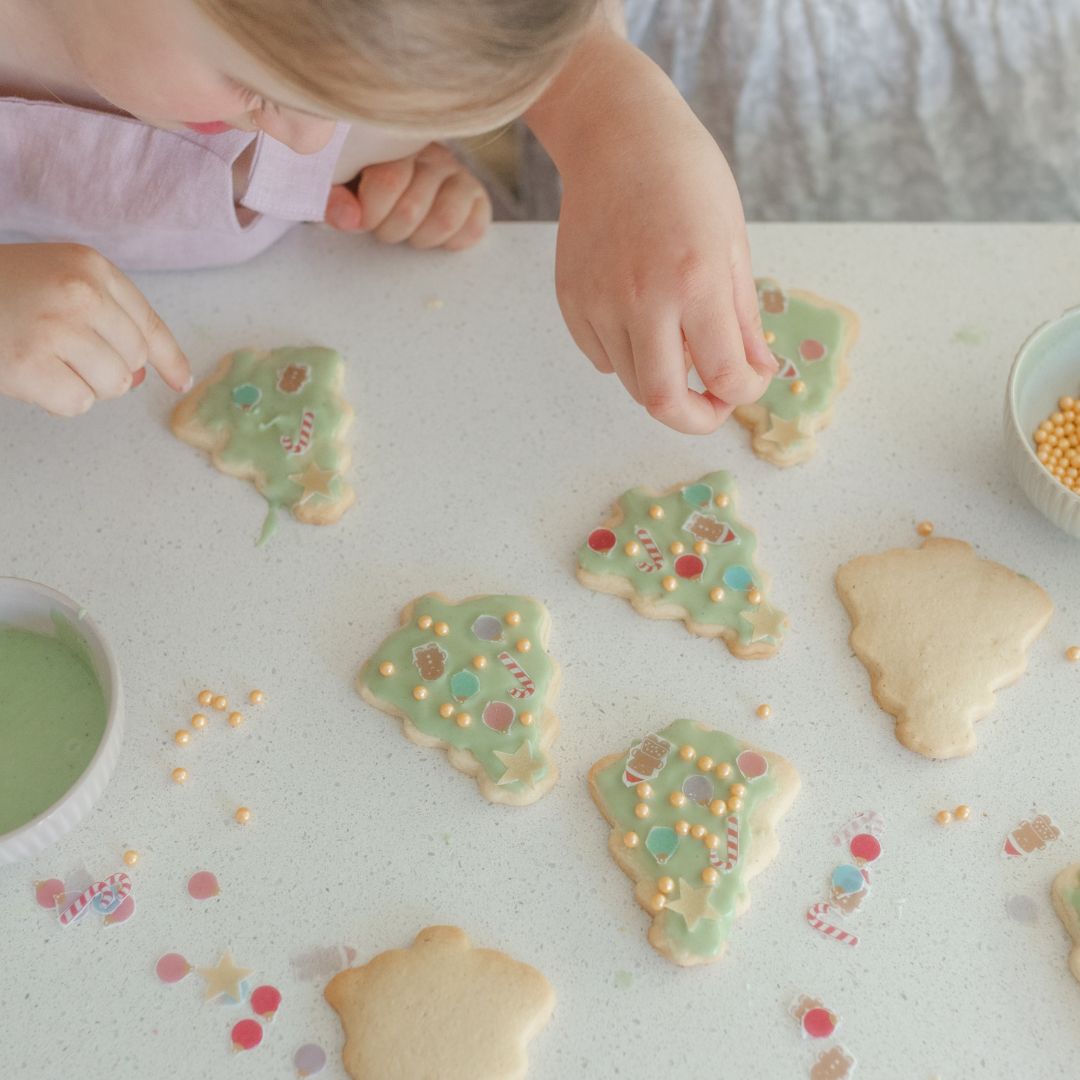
[485,449]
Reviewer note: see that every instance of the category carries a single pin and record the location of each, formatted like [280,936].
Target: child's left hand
[428,200]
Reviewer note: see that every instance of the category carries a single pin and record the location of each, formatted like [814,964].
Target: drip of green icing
[709,936]
[694,595]
[462,646]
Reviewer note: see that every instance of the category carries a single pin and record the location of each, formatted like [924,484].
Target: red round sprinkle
[865,847]
[172,967]
[809,349]
[601,540]
[246,1034]
[819,1023]
[689,566]
[265,1001]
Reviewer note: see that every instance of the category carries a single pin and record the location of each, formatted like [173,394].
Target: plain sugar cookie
[939,630]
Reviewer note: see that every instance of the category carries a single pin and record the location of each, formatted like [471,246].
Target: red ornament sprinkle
[246,1034]
[46,892]
[601,540]
[865,847]
[809,349]
[819,1023]
[265,1001]
[689,566]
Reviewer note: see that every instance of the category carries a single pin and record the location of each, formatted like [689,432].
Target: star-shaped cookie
[440,1008]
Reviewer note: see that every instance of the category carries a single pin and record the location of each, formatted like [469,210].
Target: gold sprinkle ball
[962,812]
[705,763]
[631,839]
[659,902]
[722,500]
[670,583]
[479,662]
[1072,653]
[513,618]
[419,692]
[738,790]
[734,805]
[179,776]
[698,831]
[644,791]
[677,547]
[924,528]
[525,718]
[442,629]
[182,737]
[717,807]
[798,387]
[386,669]
[712,841]
[723,770]
[753,596]
[677,799]
[446,710]
[199,721]
[242,815]
[221,702]
[257,697]
[764,711]
[424,622]
[701,547]
[666,885]
[131,857]
[1057,444]
[463,719]
[710,875]
[943,817]
[205,697]
[523,645]
[682,828]
[656,511]
[716,594]
[770,337]
[236,719]
[687,752]
[631,547]
[641,810]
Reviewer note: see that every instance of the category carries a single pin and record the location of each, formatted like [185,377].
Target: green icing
[52,719]
[1074,899]
[801,321]
[729,566]
[250,403]
[415,652]
[710,935]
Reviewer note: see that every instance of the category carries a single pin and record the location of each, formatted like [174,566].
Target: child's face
[165,62]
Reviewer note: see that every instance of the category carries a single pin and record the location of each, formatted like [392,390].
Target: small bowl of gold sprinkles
[1042,420]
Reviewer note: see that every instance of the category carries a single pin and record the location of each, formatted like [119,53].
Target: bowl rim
[1021,355]
[112,718]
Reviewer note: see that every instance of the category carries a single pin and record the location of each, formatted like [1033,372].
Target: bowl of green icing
[61,716]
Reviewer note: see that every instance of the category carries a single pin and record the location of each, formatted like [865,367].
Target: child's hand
[653,265]
[429,199]
[74,330]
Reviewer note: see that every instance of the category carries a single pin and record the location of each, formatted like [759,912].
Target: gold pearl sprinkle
[764,711]
[179,776]
[386,669]
[419,692]
[770,337]
[753,596]
[513,618]
[962,812]
[523,645]
[677,799]
[734,805]
[644,791]
[199,721]
[717,807]
[705,763]
[924,528]
[631,547]
[722,500]
[131,857]
[698,831]
[221,703]
[446,710]
[256,697]
[442,629]
[424,622]
[641,810]
[798,387]
[666,885]
[479,662]
[658,902]
[701,547]
[1072,653]
[676,547]
[943,817]
[656,511]
[205,697]
[682,828]
[712,841]
[631,839]
[710,875]
[723,770]
[670,583]
[687,752]
[242,815]
[738,790]
[182,737]
[463,719]
[525,718]
[236,719]
[716,595]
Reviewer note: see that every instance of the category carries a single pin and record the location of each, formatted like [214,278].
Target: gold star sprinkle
[520,765]
[785,433]
[224,978]
[693,904]
[314,481]
[765,622]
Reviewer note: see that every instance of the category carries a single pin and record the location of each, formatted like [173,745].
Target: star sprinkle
[693,904]
[314,481]
[785,433]
[520,766]
[766,622]
[224,978]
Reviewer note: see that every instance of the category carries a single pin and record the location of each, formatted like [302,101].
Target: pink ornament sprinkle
[265,1001]
[246,1034]
[121,913]
[46,892]
[172,967]
[203,886]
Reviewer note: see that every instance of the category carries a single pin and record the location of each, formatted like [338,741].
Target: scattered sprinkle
[203,886]
[172,967]
[179,776]
[309,1060]
[131,857]
[943,817]
[924,528]
[246,1034]
[764,711]
[242,815]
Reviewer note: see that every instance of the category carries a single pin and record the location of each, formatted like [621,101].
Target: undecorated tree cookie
[693,815]
[811,338]
[440,1009]
[278,419]
[683,554]
[939,630]
[474,678]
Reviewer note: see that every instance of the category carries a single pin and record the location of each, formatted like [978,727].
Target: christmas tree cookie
[811,338]
[279,420]
[684,555]
[474,678]
[1065,894]
[693,815]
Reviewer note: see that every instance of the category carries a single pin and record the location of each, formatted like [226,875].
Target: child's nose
[304,134]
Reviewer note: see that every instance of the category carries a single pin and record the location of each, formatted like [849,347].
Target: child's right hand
[75,330]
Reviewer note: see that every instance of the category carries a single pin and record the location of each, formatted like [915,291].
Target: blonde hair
[446,66]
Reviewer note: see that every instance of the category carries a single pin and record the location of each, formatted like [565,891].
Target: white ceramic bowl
[30,606]
[1046,369]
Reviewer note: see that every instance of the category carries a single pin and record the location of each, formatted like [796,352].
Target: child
[127,129]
